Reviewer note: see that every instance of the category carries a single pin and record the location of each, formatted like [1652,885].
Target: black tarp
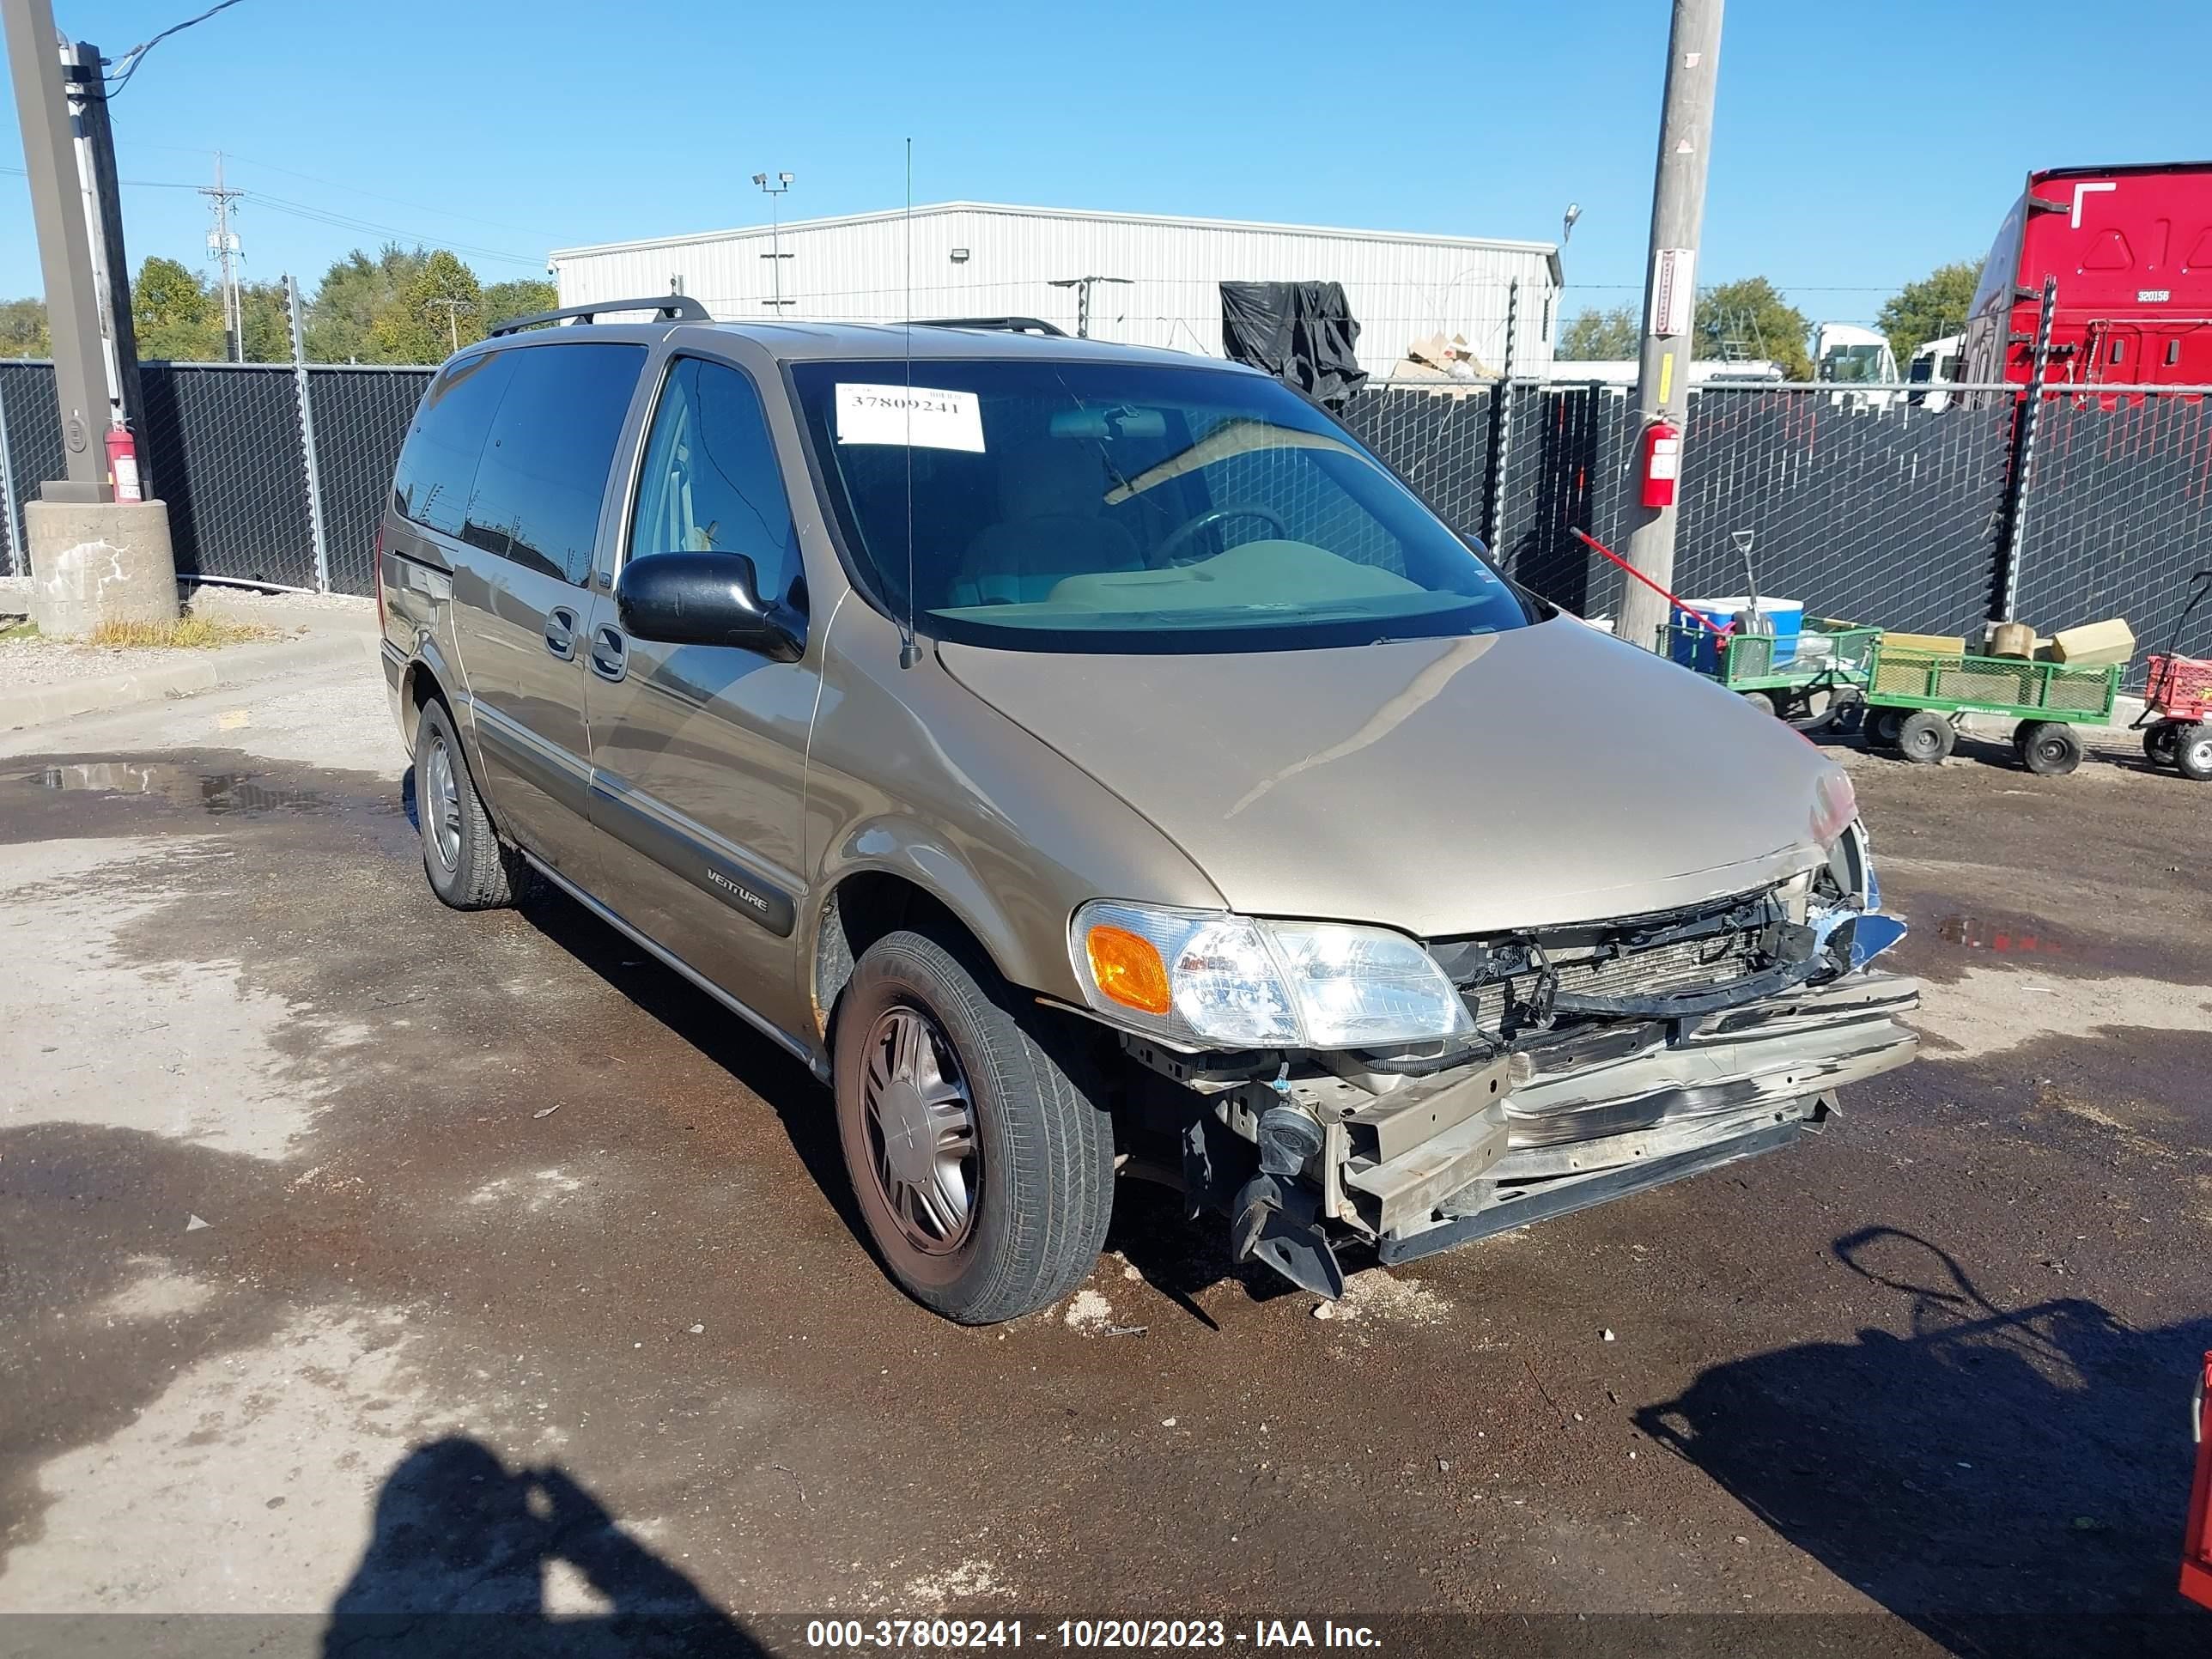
[1302,333]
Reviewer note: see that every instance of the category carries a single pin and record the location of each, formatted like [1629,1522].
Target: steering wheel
[1166,552]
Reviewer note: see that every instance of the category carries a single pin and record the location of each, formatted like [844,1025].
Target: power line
[127,65]
[373,196]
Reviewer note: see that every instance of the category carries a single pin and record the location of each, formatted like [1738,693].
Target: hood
[1545,775]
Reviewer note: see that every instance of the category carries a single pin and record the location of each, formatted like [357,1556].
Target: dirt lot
[359,1255]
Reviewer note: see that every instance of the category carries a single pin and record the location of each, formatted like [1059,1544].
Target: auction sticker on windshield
[917,414]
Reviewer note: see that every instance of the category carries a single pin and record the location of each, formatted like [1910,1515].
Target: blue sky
[1856,145]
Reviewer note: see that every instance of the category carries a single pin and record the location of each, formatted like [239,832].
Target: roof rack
[676,307]
[1002,324]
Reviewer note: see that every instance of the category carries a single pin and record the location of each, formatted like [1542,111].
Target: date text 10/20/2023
[859,1635]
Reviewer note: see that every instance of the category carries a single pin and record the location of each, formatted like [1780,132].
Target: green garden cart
[1914,701]
[1820,677]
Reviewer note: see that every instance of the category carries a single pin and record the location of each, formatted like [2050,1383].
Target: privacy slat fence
[1863,504]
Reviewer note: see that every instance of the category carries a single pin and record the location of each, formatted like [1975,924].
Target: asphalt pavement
[360,1257]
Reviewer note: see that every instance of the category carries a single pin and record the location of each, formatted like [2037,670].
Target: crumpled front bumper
[1605,1111]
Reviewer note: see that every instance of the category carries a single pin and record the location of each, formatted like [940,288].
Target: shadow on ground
[1966,1476]
[459,1561]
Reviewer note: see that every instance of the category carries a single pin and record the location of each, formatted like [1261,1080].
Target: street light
[776,231]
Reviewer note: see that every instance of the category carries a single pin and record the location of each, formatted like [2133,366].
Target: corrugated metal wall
[855,269]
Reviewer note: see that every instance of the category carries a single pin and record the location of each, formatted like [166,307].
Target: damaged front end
[1594,1061]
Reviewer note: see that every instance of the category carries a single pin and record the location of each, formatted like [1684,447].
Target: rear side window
[545,469]
[439,465]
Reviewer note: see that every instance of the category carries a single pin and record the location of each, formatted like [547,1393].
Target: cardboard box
[2094,645]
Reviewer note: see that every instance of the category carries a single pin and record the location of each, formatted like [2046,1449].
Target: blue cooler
[1694,645]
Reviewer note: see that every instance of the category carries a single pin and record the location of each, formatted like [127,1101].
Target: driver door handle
[610,651]
[561,632]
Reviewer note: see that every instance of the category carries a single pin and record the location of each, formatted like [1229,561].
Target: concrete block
[100,562]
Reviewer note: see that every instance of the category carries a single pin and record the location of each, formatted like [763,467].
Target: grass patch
[190,633]
[22,628]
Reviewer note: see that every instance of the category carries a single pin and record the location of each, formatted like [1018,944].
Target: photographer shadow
[2009,1480]
[460,1564]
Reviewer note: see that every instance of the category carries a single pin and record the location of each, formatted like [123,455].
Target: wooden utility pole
[1678,212]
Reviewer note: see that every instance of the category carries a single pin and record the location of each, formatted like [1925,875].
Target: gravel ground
[32,661]
[357,1255]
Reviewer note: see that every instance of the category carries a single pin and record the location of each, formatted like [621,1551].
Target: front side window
[711,482]
[1070,506]
[545,468]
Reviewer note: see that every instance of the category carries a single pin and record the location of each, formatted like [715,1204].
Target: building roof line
[1174,220]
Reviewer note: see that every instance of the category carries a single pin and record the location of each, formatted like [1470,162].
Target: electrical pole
[222,242]
[1082,287]
[65,249]
[84,72]
[453,308]
[1678,211]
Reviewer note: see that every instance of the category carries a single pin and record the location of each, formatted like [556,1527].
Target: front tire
[2052,750]
[983,1170]
[468,866]
[2192,752]
[1925,737]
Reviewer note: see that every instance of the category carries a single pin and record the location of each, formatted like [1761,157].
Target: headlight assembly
[1206,979]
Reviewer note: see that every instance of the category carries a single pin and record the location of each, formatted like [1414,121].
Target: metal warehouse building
[973,258]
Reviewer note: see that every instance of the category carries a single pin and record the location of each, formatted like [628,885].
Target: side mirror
[706,598]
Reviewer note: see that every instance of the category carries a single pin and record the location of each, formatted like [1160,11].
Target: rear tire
[2162,742]
[2192,753]
[1925,737]
[468,866]
[1761,702]
[1883,725]
[983,1170]
[2050,749]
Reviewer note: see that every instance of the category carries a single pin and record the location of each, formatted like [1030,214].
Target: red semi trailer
[2131,247]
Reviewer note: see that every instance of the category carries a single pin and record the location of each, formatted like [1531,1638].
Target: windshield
[1060,505]
[1851,362]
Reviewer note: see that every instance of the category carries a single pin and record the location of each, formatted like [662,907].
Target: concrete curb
[227,666]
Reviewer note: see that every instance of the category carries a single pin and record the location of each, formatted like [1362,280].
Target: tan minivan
[1093,760]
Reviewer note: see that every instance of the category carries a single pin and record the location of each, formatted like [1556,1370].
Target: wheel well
[861,909]
[420,687]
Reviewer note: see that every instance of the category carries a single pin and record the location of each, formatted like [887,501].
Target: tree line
[397,306]
[1750,317]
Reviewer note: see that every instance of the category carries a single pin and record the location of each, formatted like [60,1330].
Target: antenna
[908,655]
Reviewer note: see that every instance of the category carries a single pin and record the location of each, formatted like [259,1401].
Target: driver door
[699,752]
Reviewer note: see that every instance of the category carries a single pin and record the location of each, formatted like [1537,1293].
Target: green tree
[343,314]
[440,309]
[1749,317]
[518,298]
[1929,309]
[1599,335]
[23,329]
[175,317]
[267,323]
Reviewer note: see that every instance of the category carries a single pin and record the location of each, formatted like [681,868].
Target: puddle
[217,794]
[2000,935]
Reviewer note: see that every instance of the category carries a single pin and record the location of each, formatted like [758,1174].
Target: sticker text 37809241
[923,417]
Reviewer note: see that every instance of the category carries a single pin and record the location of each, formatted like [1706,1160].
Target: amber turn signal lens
[1128,970]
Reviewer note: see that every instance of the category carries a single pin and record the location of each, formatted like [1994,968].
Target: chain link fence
[223,444]
[1878,504]
[1882,505]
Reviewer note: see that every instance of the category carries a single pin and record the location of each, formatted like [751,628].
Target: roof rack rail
[676,307]
[1003,324]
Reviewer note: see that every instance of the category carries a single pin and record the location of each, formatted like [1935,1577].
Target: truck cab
[2130,248]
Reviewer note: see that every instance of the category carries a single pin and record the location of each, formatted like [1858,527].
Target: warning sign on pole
[1674,286]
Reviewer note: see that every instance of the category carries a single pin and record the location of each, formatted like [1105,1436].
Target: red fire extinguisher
[1663,462]
[122,459]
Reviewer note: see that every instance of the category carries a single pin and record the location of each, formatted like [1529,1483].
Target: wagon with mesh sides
[1914,701]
